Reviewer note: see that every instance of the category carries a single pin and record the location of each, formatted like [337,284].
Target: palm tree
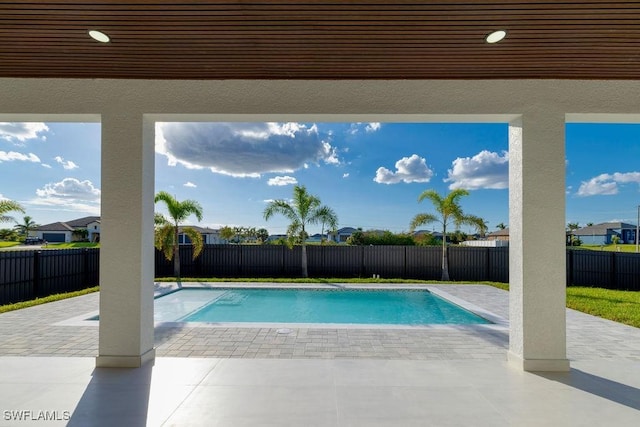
[263,235]
[27,225]
[7,206]
[8,234]
[227,233]
[479,224]
[501,226]
[572,226]
[305,209]
[167,230]
[449,212]
[329,218]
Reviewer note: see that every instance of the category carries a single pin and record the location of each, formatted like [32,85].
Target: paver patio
[33,332]
[316,376]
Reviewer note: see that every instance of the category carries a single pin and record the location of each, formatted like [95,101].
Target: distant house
[499,235]
[70,231]
[209,235]
[315,238]
[344,233]
[602,234]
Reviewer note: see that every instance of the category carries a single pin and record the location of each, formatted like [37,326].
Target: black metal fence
[26,275]
[409,262]
[610,270]
[29,274]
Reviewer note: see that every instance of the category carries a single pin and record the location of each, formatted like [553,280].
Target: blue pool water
[357,306]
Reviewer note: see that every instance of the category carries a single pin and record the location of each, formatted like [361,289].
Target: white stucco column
[537,272]
[126,240]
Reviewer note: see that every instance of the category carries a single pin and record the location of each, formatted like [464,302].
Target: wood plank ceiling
[322,39]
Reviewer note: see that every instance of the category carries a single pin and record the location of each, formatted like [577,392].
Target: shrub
[380,238]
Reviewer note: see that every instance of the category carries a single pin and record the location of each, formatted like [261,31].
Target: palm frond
[7,206]
[422,219]
[164,240]
[190,207]
[327,216]
[196,240]
[280,207]
[179,211]
[159,219]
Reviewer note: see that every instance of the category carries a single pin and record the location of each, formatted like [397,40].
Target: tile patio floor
[449,376]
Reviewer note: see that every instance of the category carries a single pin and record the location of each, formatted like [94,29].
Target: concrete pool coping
[165,288]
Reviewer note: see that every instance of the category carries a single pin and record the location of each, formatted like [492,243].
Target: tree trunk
[305,273]
[445,260]
[176,255]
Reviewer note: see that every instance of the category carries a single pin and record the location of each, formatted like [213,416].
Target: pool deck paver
[35,332]
[454,376]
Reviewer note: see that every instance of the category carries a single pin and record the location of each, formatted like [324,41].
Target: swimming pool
[311,306]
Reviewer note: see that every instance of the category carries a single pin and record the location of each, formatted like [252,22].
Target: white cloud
[372,127]
[21,132]
[70,188]
[330,154]
[12,156]
[345,175]
[67,164]
[627,177]
[70,194]
[607,184]
[598,186]
[282,180]
[243,149]
[189,184]
[357,127]
[354,128]
[2,197]
[45,165]
[485,170]
[408,169]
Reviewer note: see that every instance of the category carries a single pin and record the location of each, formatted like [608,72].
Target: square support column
[537,251]
[126,242]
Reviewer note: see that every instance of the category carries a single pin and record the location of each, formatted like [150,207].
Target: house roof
[345,230]
[602,228]
[82,222]
[69,225]
[201,230]
[56,226]
[504,232]
[321,39]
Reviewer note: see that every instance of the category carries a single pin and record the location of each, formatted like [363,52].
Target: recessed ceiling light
[496,36]
[99,36]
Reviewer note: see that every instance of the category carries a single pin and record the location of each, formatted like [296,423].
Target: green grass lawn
[619,306]
[44,300]
[72,245]
[8,244]
[609,248]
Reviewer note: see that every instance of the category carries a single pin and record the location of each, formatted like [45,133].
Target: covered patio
[557,65]
[217,375]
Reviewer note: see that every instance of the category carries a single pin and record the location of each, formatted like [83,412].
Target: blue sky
[370,173]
